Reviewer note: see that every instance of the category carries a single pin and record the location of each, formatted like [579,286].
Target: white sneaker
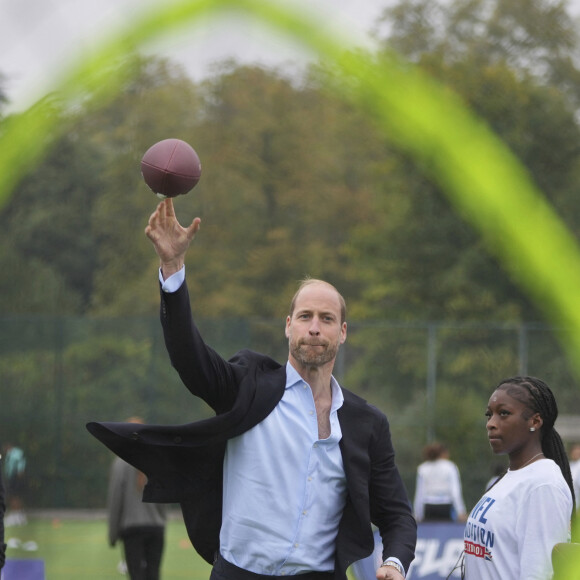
[13,543]
[30,546]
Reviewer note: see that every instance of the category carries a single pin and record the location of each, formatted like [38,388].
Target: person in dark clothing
[288,477]
[140,526]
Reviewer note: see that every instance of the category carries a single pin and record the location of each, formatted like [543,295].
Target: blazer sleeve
[390,506]
[203,371]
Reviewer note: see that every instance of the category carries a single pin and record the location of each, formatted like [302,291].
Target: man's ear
[343,333]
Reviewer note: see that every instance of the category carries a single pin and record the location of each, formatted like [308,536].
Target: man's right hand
[169,237]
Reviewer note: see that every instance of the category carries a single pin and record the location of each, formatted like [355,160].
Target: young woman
[511,531]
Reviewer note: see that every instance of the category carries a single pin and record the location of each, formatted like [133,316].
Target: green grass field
[78,548]
[74,549]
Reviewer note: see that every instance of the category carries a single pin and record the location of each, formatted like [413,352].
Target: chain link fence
[432,380]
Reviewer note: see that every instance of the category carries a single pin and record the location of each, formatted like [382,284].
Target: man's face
[314,330]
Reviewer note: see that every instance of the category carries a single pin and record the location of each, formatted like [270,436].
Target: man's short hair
[310,282]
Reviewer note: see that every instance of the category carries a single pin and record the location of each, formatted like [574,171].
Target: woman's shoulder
[548,471]
[542,473]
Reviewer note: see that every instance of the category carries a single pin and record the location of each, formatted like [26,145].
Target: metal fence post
[523,349]
[431,379]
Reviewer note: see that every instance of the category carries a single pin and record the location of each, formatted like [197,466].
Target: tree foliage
[295,183]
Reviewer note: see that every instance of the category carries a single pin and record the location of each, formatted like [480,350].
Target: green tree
[160,102]
[442,269]
[512,62]
[48,243]
[285,190]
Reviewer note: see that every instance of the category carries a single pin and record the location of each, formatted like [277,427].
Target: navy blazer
[184,463]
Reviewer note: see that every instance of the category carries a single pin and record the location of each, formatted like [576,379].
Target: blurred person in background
[140,526]
[15,481]
[2,511]
[574,455]
[438,493]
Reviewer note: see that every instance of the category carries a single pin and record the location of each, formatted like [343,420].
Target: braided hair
[538,398]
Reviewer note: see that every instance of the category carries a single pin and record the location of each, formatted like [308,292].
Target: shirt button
[315,445]
[296,545]
[311,412]
[309,479]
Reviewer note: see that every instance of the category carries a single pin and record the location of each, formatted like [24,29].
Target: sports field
[78,548]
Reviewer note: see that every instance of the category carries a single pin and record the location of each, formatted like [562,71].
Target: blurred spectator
[438,494]
[14,471]
[140,526]
[2,510]
[574,456]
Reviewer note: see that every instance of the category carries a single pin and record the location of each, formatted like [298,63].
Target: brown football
[171,167]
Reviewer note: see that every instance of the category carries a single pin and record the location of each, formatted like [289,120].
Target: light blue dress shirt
[284,488]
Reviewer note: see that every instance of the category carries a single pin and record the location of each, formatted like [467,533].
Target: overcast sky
[39,38]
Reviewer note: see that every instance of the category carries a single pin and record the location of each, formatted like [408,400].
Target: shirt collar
[293,379]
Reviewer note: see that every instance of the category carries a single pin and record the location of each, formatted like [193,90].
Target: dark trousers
[440,512]
[223,570]
[143,551]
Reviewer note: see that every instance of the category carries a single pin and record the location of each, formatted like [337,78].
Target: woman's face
[508,429]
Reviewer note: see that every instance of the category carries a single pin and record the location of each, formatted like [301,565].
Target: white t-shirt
[438,482]
[511,531]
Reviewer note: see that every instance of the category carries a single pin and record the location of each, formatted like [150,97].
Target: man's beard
[309,356]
